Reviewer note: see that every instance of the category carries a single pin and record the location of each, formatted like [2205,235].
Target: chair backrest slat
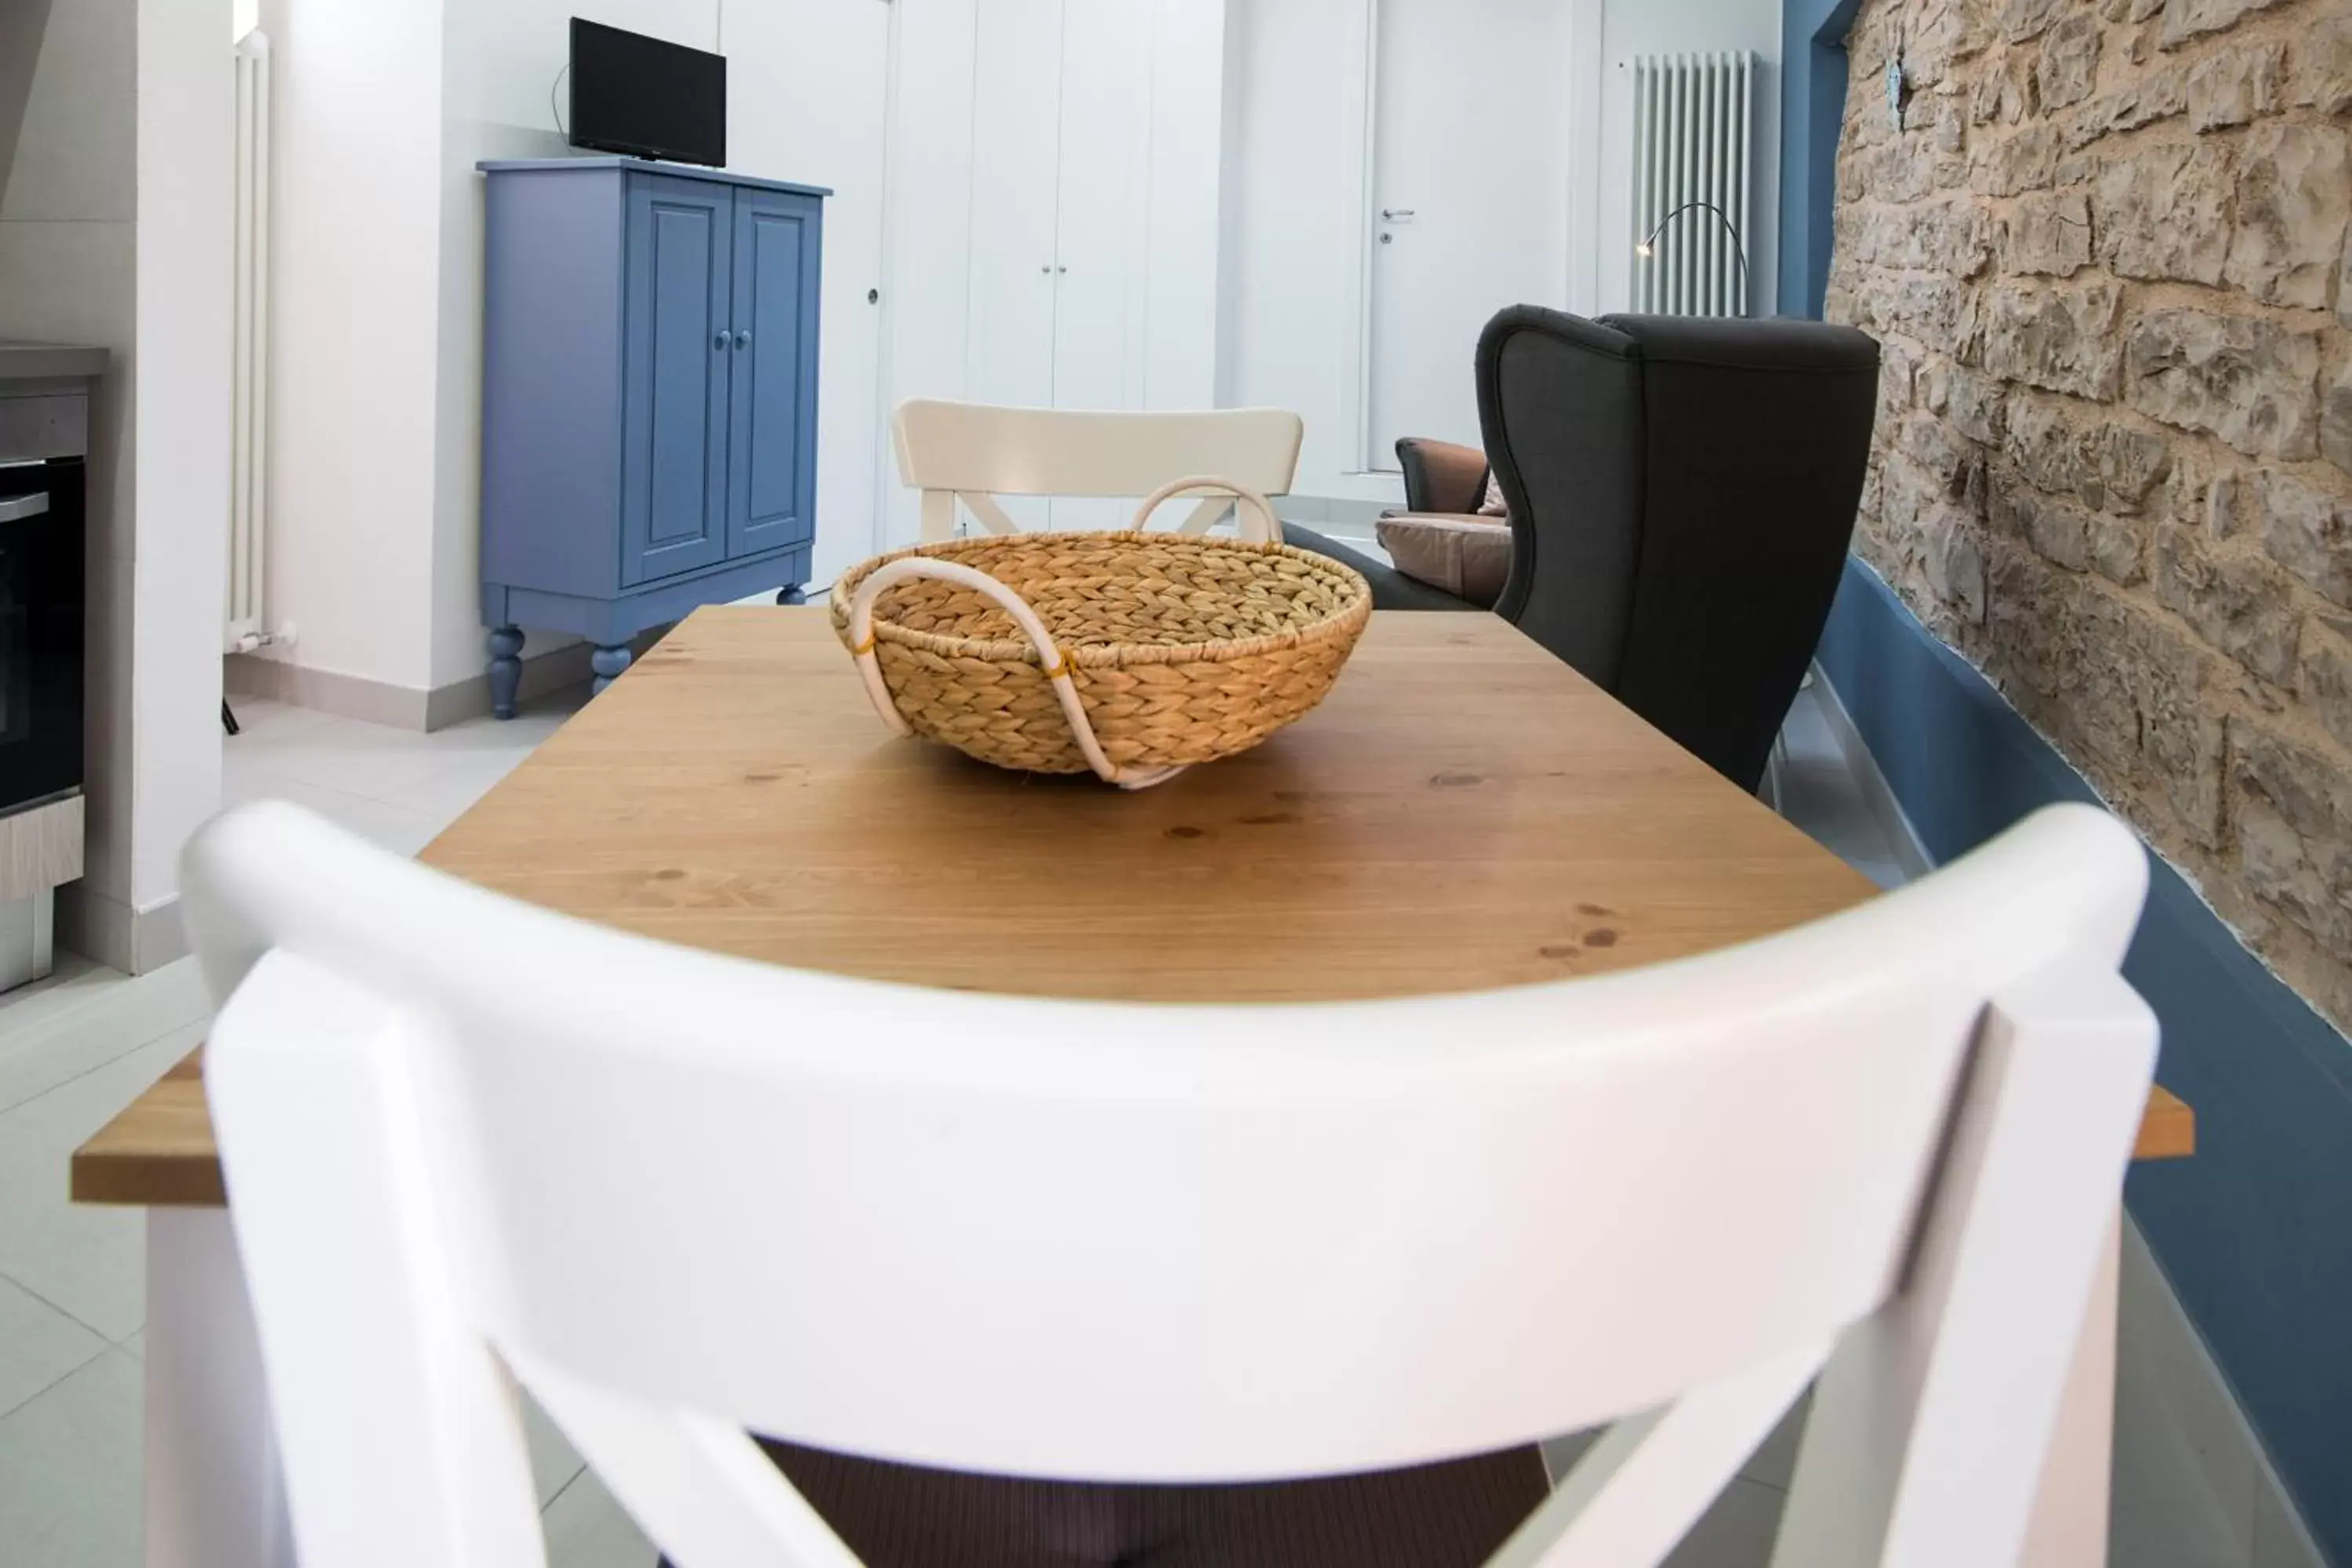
[1150,1243]
[976,452]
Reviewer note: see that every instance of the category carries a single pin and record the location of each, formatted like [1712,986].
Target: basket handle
[1270,525]
[1057,669]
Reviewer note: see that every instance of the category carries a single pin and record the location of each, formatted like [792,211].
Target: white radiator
[1694,142]
[248,527]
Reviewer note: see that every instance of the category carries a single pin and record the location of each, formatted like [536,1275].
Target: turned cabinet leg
[608,663]
[796,594]
[506,670]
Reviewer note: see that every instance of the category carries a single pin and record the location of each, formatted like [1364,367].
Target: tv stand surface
[650,166]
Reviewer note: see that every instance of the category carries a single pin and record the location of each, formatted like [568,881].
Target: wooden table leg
[2069,1526]
[214,1496]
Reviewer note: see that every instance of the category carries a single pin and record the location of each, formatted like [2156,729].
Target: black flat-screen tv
[646,97]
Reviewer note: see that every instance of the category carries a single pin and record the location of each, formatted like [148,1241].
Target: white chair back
[680,1195]
[976,453]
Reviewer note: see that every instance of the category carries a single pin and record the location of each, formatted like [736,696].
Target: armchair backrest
[1683,489]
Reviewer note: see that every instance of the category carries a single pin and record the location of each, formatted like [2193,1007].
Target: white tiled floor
[79,1046]
[1820,794]
[397,786]
[76,1048]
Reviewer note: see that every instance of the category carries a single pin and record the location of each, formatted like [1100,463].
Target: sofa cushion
[1467,556]
[1392,589]
[1494,505]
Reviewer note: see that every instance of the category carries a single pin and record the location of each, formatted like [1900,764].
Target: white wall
[187,126]
[1635,27]
[69,236]
[355,362]
[1291,321]
[1291,325]
[807,81]
[383,113]
[116,128]
[387,587]
[1187,45]
[500,60]
[1175,275]
[928,327]
[808,99]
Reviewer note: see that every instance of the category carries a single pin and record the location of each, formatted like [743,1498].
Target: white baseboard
[110,932]
[400,706]
[323,690]
[1909,852]
[542,673]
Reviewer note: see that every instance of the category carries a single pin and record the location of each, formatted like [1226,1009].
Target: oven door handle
[16,509]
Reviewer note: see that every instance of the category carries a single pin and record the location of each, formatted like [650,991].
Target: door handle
[742,339]
[16,509]
[720,342]
[1396,215]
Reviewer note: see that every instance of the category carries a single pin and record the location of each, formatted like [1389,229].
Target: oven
[41,544]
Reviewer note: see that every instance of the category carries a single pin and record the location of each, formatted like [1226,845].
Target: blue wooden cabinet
[649,376]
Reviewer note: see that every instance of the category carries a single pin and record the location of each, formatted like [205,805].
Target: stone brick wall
[2106,254]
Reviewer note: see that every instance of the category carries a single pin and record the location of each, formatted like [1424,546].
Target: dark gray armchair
[1682,491]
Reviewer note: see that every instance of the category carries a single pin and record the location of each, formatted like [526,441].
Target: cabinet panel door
[772,475]
[1102,232]
[1016,151]
[1102,241]
[678,356]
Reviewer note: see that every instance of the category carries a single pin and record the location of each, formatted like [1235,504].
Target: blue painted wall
[2255,1233]
[1812,105]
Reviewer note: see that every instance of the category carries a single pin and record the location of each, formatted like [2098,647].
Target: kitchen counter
[21,361]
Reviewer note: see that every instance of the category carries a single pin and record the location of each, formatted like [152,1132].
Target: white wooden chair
[976,453]
[678,1196]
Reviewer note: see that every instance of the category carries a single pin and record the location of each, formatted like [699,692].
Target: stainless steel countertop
[21,361]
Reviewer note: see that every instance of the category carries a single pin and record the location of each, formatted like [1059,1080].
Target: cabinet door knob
[742,339]
[720,341]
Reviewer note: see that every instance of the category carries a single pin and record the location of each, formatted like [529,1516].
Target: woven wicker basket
[1131,655]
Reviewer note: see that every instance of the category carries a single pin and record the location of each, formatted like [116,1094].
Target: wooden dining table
[1464,812]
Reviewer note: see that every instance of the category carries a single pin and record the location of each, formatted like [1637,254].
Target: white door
[827,127]
[1102,223]
[1470,191]
[1036,144]
[1016,115]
